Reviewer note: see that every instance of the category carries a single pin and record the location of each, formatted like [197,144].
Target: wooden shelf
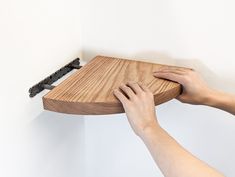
[89,91]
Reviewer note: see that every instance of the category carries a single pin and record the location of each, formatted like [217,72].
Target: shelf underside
[89,91]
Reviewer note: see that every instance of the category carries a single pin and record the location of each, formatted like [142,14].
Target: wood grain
[89,91]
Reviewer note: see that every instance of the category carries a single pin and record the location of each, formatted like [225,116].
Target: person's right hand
[195,90]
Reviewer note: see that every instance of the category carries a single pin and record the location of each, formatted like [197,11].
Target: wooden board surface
[89,91]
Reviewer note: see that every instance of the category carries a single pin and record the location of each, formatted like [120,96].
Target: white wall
[36,37]
[198,34]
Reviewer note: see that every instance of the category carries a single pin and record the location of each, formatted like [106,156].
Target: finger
[120,96]
[144,87]
[174,67]
[173,70]
[134,86]
[170,76]
[128,91]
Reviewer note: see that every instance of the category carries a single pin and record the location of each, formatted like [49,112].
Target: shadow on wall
[56,145]
[215,80]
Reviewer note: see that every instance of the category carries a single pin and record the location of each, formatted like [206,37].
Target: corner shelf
[89,91]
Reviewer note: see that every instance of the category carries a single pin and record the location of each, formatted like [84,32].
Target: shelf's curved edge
[101,108]
[82,108]
[167,95]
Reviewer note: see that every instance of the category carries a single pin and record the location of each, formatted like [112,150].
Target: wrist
[149,130]
[217,99]
[210,97]
[222,101]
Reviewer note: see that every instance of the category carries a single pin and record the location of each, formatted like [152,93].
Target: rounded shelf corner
[89,91]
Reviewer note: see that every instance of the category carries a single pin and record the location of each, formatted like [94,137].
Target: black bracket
[48,81]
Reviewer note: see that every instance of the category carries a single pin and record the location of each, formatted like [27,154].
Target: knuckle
[187,79]
[142,94]
[129,104]
[135,98]
[149,95]
[192,70]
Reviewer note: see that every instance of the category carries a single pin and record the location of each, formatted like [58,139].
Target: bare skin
[172,158]
[195,90]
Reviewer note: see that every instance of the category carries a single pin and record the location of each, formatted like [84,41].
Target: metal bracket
[48,81]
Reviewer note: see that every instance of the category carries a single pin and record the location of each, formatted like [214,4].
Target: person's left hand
[138,103]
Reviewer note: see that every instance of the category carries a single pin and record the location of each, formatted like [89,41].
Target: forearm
[172,159]
[221,101]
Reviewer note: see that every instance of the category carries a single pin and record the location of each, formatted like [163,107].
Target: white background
[37,37]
